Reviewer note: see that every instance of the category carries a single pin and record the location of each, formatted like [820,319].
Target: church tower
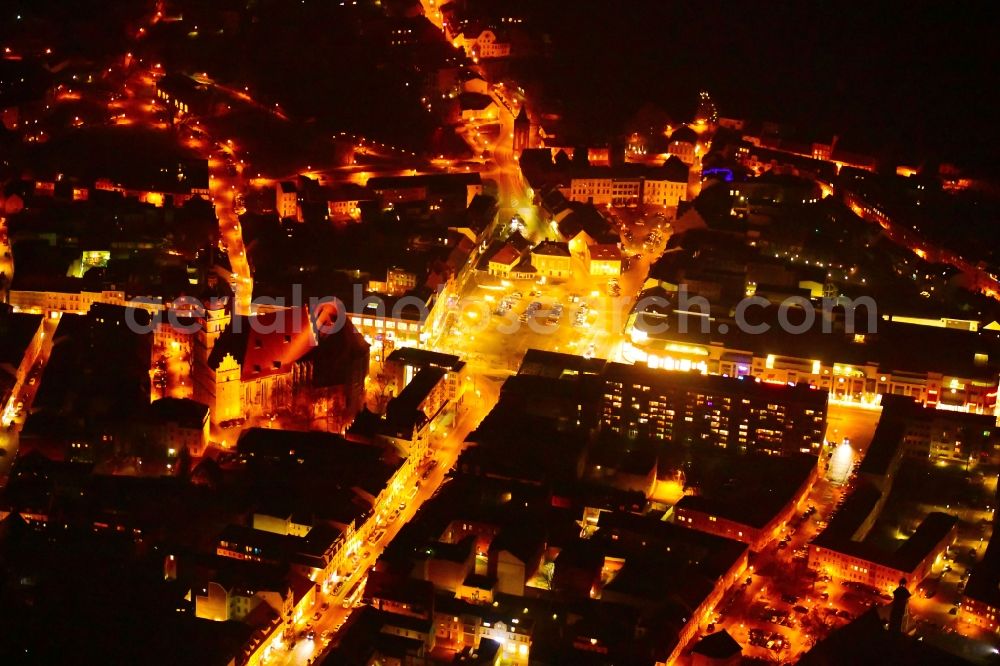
[522,131]
[899,612]
[217,318]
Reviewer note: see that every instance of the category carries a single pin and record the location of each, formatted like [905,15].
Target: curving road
[6,258]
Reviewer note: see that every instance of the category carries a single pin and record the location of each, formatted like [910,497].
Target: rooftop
[605,252]
[410,398]
[693,381]
[182,411]
[404,307]
[672,170]
[425,357]
[507,255]
[755,490]
[16,332]
[719,645]
[432,181]
[684,133]
[886,445]
[538,362]
[551,248]
[584,217]
[932,529]
[475,101]
[984,581]
[271,343]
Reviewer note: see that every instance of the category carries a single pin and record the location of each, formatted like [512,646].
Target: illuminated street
[445,452]
[19,405]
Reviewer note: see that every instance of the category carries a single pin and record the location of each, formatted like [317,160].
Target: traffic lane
[9,432]
[446,453]
[299,649]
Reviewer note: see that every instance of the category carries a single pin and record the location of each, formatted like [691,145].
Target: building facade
[630,185]
[757,536]
[483,45]
[286,202]
[391,325]
[855,368]
[692,409]
[553,260]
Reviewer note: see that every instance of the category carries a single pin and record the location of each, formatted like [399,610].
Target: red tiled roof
[506,256]
[605,252]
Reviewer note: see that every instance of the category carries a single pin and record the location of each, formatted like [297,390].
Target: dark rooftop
[425,357]
[852,514]
[474,101]
[16,333]
[930,532]
[719,645]
[692,381]
[183,411]
[432,181]
[867,642]
[417,390]
[756,491]
[557,364]
[551,248]
[885,446]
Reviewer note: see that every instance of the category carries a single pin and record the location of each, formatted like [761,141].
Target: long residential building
[690,408]
[69,296]
[435,188]
[962,375]
[747,513]
[981,600]
[836,552]
[737,414]
[941,436]
[630,185]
